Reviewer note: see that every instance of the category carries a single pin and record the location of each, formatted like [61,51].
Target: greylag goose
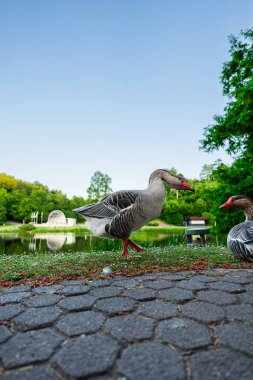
[120,213]
[240,237]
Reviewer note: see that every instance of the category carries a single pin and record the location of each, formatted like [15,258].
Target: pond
[11,243]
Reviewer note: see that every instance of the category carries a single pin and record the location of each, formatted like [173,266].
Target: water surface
[71,242]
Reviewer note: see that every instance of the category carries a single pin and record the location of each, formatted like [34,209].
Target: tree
[206,172]
[76,202]
[3,204]
[233,130]
[198,203]
[171,212]
[99,186]
[7,182]
[232,180]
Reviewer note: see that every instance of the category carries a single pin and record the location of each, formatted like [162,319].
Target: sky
[120,86]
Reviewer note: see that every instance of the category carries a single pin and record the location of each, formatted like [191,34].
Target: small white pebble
[107,270]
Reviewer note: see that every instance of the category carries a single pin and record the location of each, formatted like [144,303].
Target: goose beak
[229,203]
[186,186]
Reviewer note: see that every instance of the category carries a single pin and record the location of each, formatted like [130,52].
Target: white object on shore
[107,270]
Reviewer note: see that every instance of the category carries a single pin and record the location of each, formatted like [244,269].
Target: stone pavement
[186,325]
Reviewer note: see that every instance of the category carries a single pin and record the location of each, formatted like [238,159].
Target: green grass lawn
[52,267]
[78,228]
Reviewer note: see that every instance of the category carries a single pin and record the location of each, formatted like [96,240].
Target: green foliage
[4,198]
[233,131]
[27,228]
[171,212]
[18,199]
[232,180]
[153,223]
[179,205]
[99,186]
[206,172]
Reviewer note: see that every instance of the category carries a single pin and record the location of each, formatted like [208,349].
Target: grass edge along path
[49,268]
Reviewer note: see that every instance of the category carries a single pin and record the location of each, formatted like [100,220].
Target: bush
[27,227]
[176,219]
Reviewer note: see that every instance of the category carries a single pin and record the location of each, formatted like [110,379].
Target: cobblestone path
[181,326]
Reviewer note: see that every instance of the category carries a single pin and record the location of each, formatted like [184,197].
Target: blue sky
[120,86]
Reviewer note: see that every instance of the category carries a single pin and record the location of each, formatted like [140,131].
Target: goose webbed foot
[136,247]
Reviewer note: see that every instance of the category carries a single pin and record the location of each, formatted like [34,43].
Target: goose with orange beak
[120,213]
[240,237]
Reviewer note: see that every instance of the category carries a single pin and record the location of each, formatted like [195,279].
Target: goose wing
[247,235]
[243,233]
[240,240]
[109,206]
[122,224]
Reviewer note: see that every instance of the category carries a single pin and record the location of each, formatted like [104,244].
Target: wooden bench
[201,232]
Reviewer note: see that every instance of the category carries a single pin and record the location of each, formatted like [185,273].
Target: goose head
[238,202]
[174,181]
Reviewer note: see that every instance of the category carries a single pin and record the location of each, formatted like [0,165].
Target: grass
[52,267]
[171,229]
[78,229]
[12,230]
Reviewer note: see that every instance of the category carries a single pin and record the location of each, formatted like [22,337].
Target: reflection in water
[32,245]
[69,242]
[54,241]
[14,244]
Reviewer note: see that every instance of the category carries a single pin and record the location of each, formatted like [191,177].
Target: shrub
[27,227]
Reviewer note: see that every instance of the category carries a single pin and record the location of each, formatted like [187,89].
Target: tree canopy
[99,186]
[231,180]
[233,130]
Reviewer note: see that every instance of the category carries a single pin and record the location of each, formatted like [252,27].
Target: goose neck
[248,211]
[157,175]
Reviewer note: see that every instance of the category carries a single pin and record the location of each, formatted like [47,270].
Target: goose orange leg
[133,245]
[136,247]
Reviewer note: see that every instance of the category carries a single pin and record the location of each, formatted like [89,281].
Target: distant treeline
[18,199]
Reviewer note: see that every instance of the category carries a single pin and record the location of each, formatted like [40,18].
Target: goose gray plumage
[240,237]
[120,213]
